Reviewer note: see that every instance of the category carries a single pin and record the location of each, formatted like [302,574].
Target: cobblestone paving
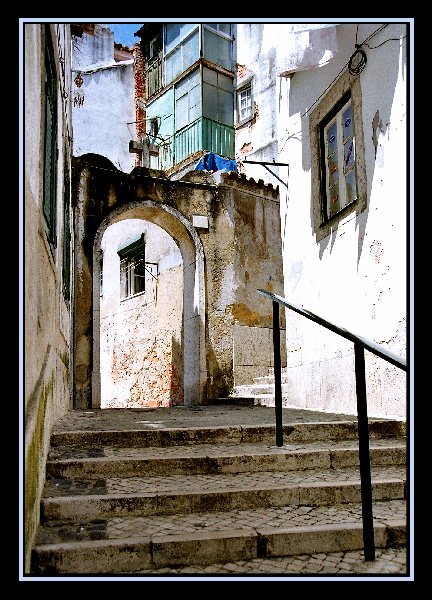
[387,562]
[213,450]
[206,416]
[214,482]
[283,517]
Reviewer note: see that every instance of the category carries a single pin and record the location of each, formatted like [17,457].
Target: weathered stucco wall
[356,275]
[46,352]
[256,139]
[221,222]
[243,253]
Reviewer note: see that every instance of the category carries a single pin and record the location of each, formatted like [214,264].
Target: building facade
[331,102]
[145,268]
[179,340]
[48,251]
[326,103]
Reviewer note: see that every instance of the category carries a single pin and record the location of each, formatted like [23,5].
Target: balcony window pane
[217,49]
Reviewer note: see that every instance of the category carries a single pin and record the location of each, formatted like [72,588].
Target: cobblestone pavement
[387,562]
[213,482]
[179,416]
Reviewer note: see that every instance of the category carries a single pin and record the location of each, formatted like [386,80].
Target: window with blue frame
[338,165]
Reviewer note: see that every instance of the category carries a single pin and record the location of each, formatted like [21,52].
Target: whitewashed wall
[356,276]
[103,100]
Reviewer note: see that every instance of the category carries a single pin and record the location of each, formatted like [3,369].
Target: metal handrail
[360,343]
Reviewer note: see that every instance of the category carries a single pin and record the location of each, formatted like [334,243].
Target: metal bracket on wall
[274,164]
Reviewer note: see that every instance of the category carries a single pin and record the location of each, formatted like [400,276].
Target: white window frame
[336,195]
[251,112]
[346,86]
[128,267]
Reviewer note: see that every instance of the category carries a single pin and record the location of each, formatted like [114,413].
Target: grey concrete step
[130,544]
[71,462]
[92,499]
[265,388]
[235,434]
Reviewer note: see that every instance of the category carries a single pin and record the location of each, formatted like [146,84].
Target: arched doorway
[141,317]
[193,343]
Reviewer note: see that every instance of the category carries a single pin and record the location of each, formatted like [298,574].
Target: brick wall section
[139,85]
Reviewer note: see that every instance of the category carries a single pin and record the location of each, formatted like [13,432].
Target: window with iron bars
[132,276]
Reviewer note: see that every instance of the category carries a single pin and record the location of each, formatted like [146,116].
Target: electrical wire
[362,59]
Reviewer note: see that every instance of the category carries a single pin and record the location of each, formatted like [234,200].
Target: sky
[124,33]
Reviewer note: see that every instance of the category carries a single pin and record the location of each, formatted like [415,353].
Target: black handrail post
[364,456]
[277,374]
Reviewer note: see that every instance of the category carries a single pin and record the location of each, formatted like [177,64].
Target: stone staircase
[262,390]
[123,500]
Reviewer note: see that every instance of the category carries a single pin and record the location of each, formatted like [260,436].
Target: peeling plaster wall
[356,276]
[141,336]
[46,352]
[93,47]
[243,253]
[256,139]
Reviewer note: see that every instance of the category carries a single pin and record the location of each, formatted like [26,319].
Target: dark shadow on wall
[220,381]
[177,372]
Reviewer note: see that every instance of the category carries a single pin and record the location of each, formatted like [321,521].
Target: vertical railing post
[277,374]
[364,456]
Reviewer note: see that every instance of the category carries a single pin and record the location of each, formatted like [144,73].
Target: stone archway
[103,193]
[227,229]
[175,224]
[190,247]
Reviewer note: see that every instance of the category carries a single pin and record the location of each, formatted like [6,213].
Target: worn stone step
[70,462]
[269,380]
[129,544]
[166,437]
[259,389]
[94,498]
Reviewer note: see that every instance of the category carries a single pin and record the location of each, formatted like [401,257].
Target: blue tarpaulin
[214,162]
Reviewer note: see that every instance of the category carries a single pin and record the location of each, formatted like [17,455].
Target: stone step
[95,463]
[129,544]
[142,496]
[269,379]
[256,390]
[129,491]
[235,434]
